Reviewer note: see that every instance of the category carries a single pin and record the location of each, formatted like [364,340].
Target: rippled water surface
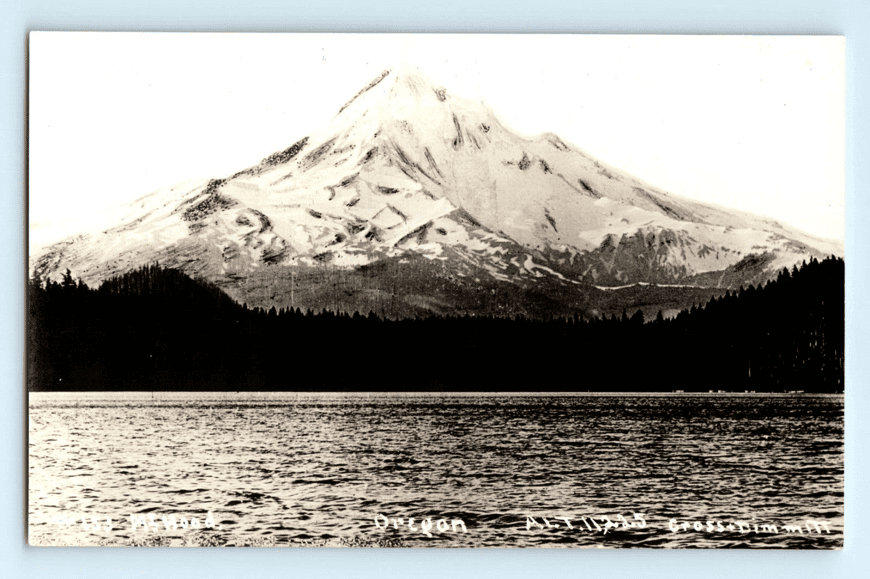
[519,471]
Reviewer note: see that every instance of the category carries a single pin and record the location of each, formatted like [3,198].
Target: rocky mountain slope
[407,173]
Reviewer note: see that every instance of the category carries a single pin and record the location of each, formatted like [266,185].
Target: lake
[436,470]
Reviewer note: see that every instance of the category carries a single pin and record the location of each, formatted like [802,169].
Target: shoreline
[281,395]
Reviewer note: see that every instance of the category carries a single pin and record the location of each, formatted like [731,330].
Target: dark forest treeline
[157,329]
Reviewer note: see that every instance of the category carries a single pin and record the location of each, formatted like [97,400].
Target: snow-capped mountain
[409,173]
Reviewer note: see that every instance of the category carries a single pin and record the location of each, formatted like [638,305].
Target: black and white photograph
[435,290]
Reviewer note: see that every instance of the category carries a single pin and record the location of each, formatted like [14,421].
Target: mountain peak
[409,79]
[404,82]
[393,175]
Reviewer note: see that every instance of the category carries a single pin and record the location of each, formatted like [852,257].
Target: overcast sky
[754,123]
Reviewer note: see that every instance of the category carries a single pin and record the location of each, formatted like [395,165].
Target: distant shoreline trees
[157,329]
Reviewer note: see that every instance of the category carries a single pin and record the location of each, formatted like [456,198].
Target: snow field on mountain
[406,167]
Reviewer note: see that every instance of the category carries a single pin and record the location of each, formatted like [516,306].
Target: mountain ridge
[405,167]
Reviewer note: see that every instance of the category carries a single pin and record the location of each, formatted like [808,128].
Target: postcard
[335,290]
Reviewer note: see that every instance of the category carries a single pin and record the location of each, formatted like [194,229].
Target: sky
[752,123]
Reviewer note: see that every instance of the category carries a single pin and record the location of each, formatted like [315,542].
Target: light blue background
[849,18]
